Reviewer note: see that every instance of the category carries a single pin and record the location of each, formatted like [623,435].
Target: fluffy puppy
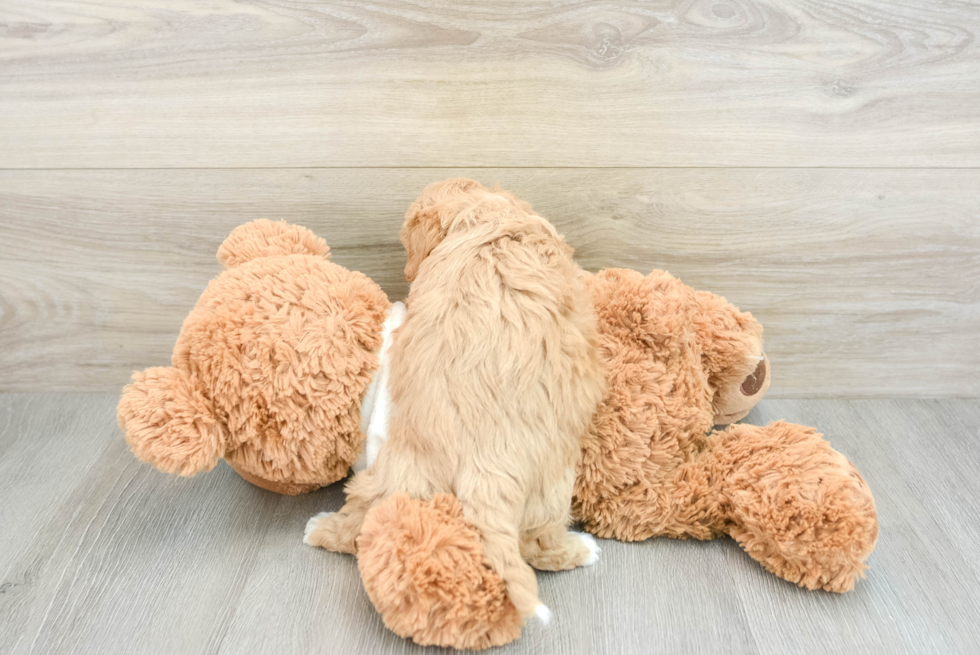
[494,379]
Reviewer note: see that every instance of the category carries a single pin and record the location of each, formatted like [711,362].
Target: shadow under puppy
[494,379]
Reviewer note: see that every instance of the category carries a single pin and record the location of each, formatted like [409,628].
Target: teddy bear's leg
[546,542]
[424,570]
[684,504]
[796,505]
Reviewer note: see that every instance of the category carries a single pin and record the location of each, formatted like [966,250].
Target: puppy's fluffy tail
[496,515]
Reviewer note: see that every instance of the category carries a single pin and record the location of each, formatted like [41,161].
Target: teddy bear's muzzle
[754,383]
[732,405]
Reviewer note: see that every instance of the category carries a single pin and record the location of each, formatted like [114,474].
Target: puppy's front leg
[559,549]
[546,542]
[338,531]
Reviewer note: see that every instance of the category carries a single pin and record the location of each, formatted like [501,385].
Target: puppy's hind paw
[593,547]
[311,527]
[543,614]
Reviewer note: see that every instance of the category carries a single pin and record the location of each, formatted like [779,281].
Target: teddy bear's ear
[730,340]
[265,238]
[170,422]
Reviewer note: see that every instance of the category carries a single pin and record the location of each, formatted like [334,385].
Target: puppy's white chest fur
[376,405]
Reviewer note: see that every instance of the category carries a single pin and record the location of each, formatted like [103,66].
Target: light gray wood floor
[102,554]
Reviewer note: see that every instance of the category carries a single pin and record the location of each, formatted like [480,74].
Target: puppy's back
[497,351]
[495,373]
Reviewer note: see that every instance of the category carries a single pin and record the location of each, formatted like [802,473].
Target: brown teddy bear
[677,362]
[270,368]
[279,369]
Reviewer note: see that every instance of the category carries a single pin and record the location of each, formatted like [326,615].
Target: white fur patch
[376,405]
[311,526]
[593,547]
[543,614]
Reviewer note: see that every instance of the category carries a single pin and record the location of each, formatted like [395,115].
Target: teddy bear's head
[731,351]
[683,347]
[269,368]
[676,361]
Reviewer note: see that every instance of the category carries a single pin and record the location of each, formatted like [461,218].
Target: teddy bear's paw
[543,614]
[311,527]
[170,421]
[590,543]
[423,555]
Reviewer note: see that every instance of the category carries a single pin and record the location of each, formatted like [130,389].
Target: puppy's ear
[429,218]
[420,233]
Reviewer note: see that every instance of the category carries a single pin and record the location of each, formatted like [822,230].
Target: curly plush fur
[794,503]
[423,568]
[648,469]
[269,367]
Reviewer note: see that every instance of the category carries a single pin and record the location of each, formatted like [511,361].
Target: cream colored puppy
[494,378]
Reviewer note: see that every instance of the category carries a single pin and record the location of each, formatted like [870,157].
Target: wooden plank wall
[817,163]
